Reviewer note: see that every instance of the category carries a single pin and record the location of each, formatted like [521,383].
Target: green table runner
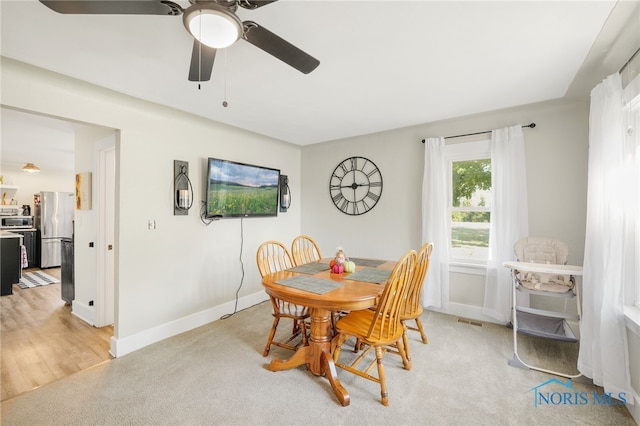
[370,275]
[310,284]
[310,268]
[367,262]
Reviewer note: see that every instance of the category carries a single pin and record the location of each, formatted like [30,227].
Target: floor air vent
[470,322]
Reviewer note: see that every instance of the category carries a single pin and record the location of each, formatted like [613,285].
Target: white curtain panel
[603,354]
[509,217]
[435,223]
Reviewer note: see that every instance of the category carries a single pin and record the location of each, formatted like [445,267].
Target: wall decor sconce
[182,188]
[31,168]
[285,193]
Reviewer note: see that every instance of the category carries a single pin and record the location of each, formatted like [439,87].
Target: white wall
[556,167]
[182,274]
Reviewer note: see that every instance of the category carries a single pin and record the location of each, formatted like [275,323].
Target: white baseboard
[465,311]
[83,311]
[123,346]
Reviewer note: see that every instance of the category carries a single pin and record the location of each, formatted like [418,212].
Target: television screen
[241,190]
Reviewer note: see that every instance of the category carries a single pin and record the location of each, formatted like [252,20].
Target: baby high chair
[541,269]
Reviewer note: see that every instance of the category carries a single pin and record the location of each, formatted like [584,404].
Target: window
[631,192]
[469,201]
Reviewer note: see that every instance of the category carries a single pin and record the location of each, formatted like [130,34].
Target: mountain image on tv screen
[241,190]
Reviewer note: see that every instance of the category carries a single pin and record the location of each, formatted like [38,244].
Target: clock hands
[355,185]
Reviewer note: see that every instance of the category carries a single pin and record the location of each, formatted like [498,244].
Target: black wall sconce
[285,193]
[182,188]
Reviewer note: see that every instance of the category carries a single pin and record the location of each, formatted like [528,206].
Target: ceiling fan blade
[254,4]
[278,47]
[114,7]
[201,62]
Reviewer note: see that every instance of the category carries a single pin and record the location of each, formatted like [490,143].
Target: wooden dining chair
[273,256]
[378,330]
[305,250]
[412,306]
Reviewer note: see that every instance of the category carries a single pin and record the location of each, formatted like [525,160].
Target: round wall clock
[355,185]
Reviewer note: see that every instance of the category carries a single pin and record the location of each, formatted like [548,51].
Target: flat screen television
[241,190]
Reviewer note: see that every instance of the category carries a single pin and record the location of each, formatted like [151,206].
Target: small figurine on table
[341,264]
[337,263]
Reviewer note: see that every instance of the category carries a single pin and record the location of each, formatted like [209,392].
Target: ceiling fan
[212,23]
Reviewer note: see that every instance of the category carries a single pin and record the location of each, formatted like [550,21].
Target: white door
[106,233]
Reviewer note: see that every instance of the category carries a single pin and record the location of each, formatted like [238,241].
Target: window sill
[467,268]
[632,319]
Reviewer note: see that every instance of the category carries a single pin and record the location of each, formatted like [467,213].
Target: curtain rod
[532,125]
[629,61]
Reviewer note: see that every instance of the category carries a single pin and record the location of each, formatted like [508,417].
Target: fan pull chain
[224,101]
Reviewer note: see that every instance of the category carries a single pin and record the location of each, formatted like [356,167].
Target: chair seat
[294,311]
[415,313]
[357,324]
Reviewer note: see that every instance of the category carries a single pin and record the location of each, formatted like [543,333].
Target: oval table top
[352,295]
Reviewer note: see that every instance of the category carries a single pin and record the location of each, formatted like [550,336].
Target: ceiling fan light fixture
[212,25]
[31,168]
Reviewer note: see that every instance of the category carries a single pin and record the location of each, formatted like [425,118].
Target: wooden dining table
[325,293]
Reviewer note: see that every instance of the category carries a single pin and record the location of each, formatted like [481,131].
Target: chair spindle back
[412,303]
[305,250]
[387,316]
[273,256]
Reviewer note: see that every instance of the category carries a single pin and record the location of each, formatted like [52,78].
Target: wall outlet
[90,302]
[151,224]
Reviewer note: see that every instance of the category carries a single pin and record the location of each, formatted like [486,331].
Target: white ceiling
[383,64]
[46,142]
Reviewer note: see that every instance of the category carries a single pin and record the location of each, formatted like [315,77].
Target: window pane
[470,235]
[470,198]
[471,183]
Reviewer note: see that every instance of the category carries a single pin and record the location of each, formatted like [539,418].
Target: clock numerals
[354,163]
[355,186]
[341,202]
[372,172]
[374,197]
[338,198]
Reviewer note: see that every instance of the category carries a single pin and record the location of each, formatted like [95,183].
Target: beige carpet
[217,375]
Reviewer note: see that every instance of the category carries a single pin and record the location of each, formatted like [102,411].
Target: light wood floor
[41,341]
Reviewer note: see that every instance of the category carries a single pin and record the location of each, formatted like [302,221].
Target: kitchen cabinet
[29,241]
[67,287]
[10,270]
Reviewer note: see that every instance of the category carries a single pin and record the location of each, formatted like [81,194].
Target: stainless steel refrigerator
[53,216]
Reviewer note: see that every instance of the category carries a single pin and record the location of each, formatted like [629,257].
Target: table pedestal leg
[330,371]
[300,357]
[317,354]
